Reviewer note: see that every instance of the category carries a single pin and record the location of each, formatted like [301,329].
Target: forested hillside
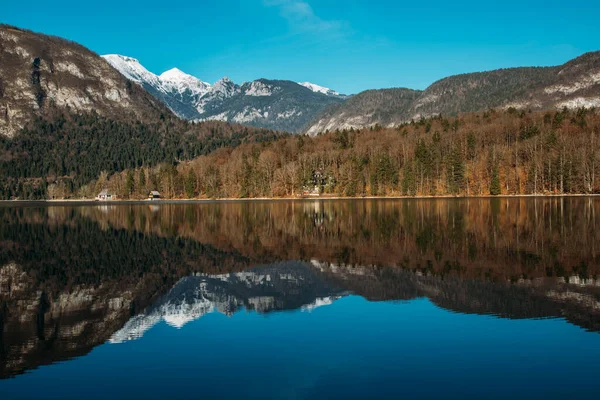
[495,152]
[69,150]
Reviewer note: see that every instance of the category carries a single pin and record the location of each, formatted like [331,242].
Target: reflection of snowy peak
[280,287]
[281,105]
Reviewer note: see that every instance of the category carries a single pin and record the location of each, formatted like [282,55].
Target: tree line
[505,152]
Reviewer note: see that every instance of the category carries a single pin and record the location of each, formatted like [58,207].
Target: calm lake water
[471,298]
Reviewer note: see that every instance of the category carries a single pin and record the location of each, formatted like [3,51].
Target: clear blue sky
[348,45]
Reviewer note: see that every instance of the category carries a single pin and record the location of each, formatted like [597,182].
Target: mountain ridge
[263,103]
[576,83]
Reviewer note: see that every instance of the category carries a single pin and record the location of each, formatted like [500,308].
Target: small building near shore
[314,191]
[154,195]
[106,195]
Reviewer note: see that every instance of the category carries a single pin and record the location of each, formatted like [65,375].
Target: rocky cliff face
[39,73]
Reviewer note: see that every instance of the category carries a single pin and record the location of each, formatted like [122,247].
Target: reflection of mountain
[277,287]
[304,286]
[74,278]
[576,300]
[38,330]
[66,284]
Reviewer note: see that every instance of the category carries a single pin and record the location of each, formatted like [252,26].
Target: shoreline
[278,199]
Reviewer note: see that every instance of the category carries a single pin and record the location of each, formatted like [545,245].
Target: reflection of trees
[72,276]
[66,283]
[484,238]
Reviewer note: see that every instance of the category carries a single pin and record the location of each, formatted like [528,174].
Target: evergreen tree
[129,182]
[190,185]
[471,146]
[409,186]
[495,188]
[142,179]
[456,172]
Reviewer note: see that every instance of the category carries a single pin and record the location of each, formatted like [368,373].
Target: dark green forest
[74,149]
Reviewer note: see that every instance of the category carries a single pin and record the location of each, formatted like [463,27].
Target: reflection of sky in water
[348,349]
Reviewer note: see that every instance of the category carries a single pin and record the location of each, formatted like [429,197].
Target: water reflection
[72,278]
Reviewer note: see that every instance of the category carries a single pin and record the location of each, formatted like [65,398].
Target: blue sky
[349,45]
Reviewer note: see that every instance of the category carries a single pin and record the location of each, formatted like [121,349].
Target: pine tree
[456,172]
[495,188]
[408,181]
[190,185]
[129,182]
[142,179]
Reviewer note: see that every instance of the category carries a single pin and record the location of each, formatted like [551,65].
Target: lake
[313,299]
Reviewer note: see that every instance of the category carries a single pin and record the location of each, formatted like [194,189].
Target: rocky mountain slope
[573,84]
[274,104]
[66,115]
[39,73]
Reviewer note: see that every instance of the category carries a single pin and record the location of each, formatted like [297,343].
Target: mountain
[573,84]
[175,89]
[66,116]
[276,287]
[365,109]
[274,104]
[39,73]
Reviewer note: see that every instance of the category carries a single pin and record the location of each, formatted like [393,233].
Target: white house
[106,195]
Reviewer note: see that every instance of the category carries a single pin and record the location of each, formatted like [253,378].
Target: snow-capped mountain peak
[319,89]
[131,68]
[177,80]
[274,104]
[175,75]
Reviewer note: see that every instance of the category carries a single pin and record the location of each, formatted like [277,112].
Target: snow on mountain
[173,80]
[178,81]
[131,69]
[319,89]
[225,88]
[274,104]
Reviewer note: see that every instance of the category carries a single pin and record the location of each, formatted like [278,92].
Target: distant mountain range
[39,73]
[573,84]
[275,104]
